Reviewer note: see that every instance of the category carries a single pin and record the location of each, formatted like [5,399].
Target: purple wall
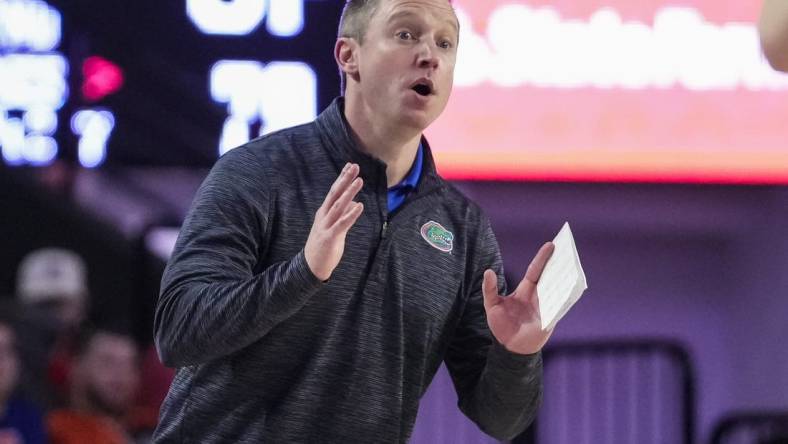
[701,264]
[704,265]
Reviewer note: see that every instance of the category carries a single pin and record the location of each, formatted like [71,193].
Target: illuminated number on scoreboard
[94,128]
[241,17]
[32,82]
[276,95]
[32,89]
[29,24]
[285,17]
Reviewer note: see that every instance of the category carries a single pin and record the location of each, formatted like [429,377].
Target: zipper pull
[383,231]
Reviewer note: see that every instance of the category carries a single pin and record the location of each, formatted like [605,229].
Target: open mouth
[423,88]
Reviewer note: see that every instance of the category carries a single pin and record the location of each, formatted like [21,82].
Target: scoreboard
[581,90]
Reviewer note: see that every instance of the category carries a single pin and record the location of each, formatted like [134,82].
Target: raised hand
[326,241]
[514,320]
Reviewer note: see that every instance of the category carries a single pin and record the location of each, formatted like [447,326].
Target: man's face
[9,362]
[108,373]
[67,311]
[406,63]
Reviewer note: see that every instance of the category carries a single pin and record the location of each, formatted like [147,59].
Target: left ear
[346,55]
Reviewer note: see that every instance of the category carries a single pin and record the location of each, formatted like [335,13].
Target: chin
[418,120]
[415,124]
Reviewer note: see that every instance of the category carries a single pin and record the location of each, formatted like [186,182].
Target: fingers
[326,242]
[349,218]
[345,178]
[490,290]
[536,267]
[340,206]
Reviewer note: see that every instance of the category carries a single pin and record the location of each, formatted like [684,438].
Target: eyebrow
[411,14]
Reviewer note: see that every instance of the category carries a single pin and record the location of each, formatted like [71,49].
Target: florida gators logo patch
[438,236]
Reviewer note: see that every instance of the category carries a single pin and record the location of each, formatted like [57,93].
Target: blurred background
[655,127]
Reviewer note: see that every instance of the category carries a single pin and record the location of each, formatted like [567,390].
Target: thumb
[490,289]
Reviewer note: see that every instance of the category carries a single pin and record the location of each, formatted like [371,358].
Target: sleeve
[498,390]
[212,303]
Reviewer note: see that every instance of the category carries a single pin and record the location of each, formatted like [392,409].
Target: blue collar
[412,179]
[398,193]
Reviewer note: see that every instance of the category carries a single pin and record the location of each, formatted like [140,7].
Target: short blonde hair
[356,16]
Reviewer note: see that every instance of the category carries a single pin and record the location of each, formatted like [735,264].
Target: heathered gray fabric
[268,353]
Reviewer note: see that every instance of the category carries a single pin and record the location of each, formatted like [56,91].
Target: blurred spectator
[20,421]
[54,280]
[52,285]
[104,383]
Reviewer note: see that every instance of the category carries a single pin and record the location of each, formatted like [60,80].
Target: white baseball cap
[51,273]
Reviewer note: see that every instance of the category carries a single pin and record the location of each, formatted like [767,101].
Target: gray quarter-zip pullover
[268,353]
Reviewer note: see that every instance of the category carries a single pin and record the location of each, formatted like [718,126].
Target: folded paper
[563,280]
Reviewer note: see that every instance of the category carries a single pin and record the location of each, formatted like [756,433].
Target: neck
[394,145]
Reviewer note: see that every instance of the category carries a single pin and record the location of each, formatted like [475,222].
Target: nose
[427,56]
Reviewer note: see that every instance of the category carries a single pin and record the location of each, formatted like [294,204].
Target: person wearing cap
[52,286]
[773,28]
[54,281]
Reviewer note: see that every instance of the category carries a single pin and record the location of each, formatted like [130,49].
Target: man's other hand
[514,320]
[333,219]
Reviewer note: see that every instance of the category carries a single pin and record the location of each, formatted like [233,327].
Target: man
[52,286]
[773,28]
[103,384]
[300,306]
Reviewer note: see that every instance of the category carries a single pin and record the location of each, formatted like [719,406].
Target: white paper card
[563,280]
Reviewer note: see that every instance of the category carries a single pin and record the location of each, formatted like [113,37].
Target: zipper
[387,216]
[385,227]
[373,263]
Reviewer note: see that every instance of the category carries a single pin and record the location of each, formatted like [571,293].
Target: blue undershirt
[399,192]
